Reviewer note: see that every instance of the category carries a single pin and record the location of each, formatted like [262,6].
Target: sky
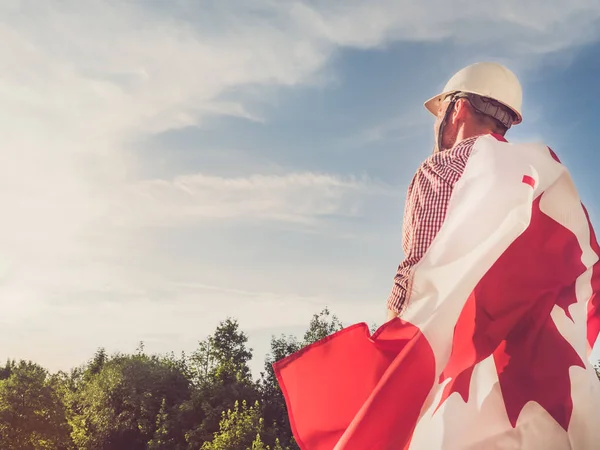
[167,164]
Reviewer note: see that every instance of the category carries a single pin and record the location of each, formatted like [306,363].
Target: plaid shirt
[425,211]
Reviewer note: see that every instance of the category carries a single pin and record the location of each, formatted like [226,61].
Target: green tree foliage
[7,369]
[97,364]
[154,402]
[221,376]
[239,428]
[125,402]
[161,439]
[32,415]
[226,347]
[321,325]
[207,400]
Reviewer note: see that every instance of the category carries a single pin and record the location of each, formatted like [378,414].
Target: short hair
[490,113]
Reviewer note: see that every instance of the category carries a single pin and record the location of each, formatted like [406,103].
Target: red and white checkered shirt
[426,203]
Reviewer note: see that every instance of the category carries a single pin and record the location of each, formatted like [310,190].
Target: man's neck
[467,132]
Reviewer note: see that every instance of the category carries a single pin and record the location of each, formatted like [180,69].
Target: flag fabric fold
[492,351]
[360,374]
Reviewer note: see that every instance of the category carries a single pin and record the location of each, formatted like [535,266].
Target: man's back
[504,294]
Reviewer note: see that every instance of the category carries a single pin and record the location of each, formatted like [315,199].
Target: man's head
[479,99]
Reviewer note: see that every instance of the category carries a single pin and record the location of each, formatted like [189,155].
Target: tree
[239,428]
[97,363]
[321,326]
[121,405]
[155,402]
[221,377]
[7,369]
[225,347]
[161,439]
[32,415]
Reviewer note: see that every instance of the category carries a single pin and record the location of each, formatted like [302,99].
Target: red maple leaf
[508,316]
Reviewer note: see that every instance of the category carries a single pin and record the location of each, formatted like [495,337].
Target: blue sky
[169,164]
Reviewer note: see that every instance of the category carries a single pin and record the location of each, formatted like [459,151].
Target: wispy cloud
[294,197]
[393,129]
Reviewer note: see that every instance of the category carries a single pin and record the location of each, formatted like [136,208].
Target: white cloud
[395,128]
[80,81]
[293,197]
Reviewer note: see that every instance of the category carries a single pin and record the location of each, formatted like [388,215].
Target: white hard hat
[485,79]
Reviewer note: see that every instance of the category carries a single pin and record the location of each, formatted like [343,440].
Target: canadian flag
[492,351]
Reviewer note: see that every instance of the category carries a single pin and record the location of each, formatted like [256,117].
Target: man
[498,301]
[484,98]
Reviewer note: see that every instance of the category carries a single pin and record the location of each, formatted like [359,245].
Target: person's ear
[461,110]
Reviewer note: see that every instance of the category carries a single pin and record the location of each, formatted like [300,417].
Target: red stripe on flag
[529,180]
[554,155]
[499,137]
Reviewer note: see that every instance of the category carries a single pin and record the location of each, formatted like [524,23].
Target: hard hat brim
[433,104]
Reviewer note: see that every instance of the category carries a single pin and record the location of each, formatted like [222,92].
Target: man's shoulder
[450,163]
[460,150]
[537,150]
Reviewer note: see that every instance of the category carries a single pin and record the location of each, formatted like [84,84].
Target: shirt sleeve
[424,213]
